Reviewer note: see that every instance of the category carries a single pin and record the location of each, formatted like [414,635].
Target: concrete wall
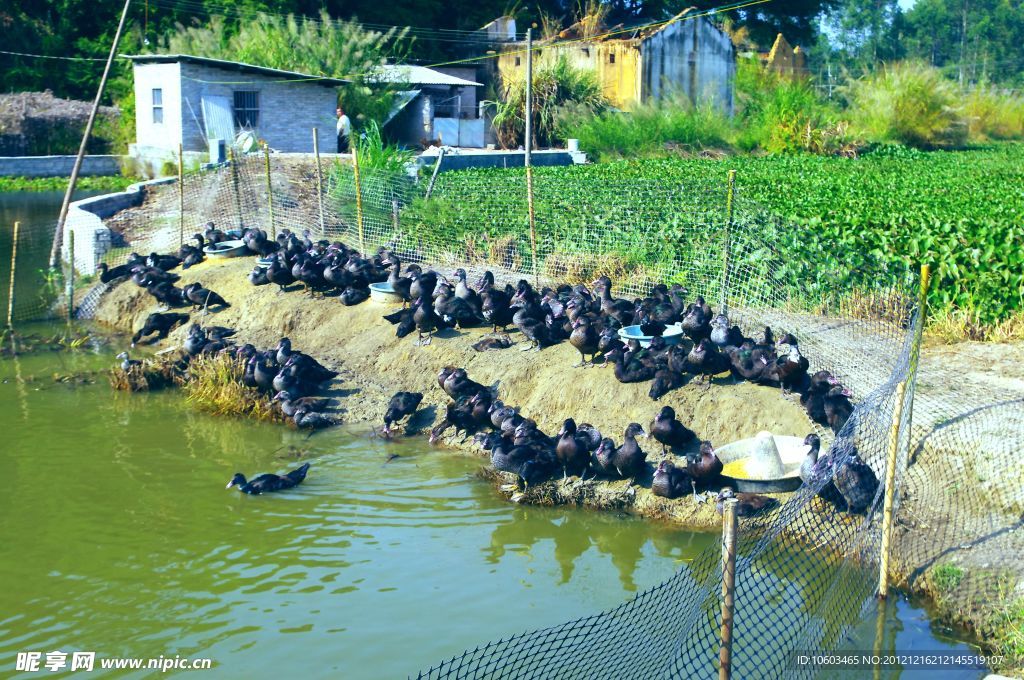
[464,160]
[288,111]
[167,77]
[57,166]
[692,57]
[93,238]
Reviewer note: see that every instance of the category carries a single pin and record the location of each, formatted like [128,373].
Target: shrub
[993,114]
[555,87]
[908,103]
[648,130]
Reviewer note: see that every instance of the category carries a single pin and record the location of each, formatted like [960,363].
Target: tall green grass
[908,103]
[993,114]
[649,130]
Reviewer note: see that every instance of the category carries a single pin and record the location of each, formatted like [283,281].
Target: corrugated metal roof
[408,74]
[234,66]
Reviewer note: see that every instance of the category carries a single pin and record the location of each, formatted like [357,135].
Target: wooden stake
[14,266]
[71,277]
[890,490]
[270,191]
[729,526]
[181,196]
[234,186]
[437,169]
[319,180]
[359,198]
[730,195]
[58,235]
[528,155]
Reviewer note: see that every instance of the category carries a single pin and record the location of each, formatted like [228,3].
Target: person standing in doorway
[344,131]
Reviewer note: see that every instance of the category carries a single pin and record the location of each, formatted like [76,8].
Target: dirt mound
[374,364]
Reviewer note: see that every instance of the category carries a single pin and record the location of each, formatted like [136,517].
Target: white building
[187,100]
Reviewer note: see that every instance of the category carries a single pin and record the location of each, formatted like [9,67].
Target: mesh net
[806,573]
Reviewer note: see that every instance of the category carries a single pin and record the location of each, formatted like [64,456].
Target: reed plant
[214,384]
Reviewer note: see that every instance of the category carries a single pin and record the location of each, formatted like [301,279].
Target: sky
[906,4]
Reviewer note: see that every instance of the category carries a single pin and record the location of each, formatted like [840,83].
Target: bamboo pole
[879,639]
[890,490]
[729,214]
[437,169]
[181,195]
[729,526]
[359,198]
[10,290]
[71,277]
[528,156]
[319,180]
[58,235]
[270,190]
[234,186]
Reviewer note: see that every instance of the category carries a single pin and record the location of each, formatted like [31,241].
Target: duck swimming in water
[269,482]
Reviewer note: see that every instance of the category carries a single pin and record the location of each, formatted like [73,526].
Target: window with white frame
[247,108]
[158,105]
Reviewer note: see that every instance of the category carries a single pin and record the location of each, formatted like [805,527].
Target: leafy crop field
[828,224]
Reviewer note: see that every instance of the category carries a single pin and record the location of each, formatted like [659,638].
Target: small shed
[189,100]
[432,106]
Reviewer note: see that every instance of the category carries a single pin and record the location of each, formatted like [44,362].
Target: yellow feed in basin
[736,469]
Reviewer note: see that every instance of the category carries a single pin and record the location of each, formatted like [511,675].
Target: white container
[572,145]
[383,292]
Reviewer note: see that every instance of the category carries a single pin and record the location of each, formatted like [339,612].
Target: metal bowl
[746,474]
[673,335]
[383,292]
[227,249]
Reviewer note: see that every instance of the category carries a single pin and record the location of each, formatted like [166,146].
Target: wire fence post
[729,215]
[728,586]
[890,489]
[71,277]
[232,162]
[181,195]
[433,176]
[319,179]
[270,190]
[14,267]
[359,198]
[528,146]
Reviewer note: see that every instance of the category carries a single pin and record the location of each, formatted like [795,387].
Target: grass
[947,577]
[107,183]
[215,385]
[149,376]
[949,326]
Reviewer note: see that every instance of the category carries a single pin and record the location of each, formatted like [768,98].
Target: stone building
[187,100]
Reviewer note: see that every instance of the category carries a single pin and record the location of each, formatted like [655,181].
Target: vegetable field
[825,223]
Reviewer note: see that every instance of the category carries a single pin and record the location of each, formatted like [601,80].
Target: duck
[458,414]
[629,367]
[855,481]
[426,320]
[574,447]
[837,407]
[164,262]
[203,297]
[127,363]
[265,370]
[813,399]
[457,383]
[585,339]
[705,469]
[161,324]
[353,296]
[669,432]
[310,368]
[792,369]
[269,482]
[696,324]
[258,276]
[464,292]
[620,310]
[629,459]
[280,274]
[290,406]
[495,306]
[705,360]
[665,380]
[423,284]
[109,274]
[604,457]
[402,405]
[669,480]
[749,504]
[456,311]
[399,284]
[814,468]
[305,419]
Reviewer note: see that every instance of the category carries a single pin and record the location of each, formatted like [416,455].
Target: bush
[556,86]
[908,103]
[781,114]
[648,130]
[992,114]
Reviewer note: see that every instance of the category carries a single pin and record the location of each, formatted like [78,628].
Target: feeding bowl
[672,336]
[383,292]
[226,249]
[765,463]
[264,261]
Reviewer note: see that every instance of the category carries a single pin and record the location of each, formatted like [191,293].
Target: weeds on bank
[215,385]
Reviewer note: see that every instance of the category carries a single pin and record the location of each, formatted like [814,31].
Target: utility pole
[59,233]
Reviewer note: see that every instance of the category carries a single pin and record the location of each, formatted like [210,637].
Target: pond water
[118,537]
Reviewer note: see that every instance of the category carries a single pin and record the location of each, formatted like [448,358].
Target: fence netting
[806,572]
